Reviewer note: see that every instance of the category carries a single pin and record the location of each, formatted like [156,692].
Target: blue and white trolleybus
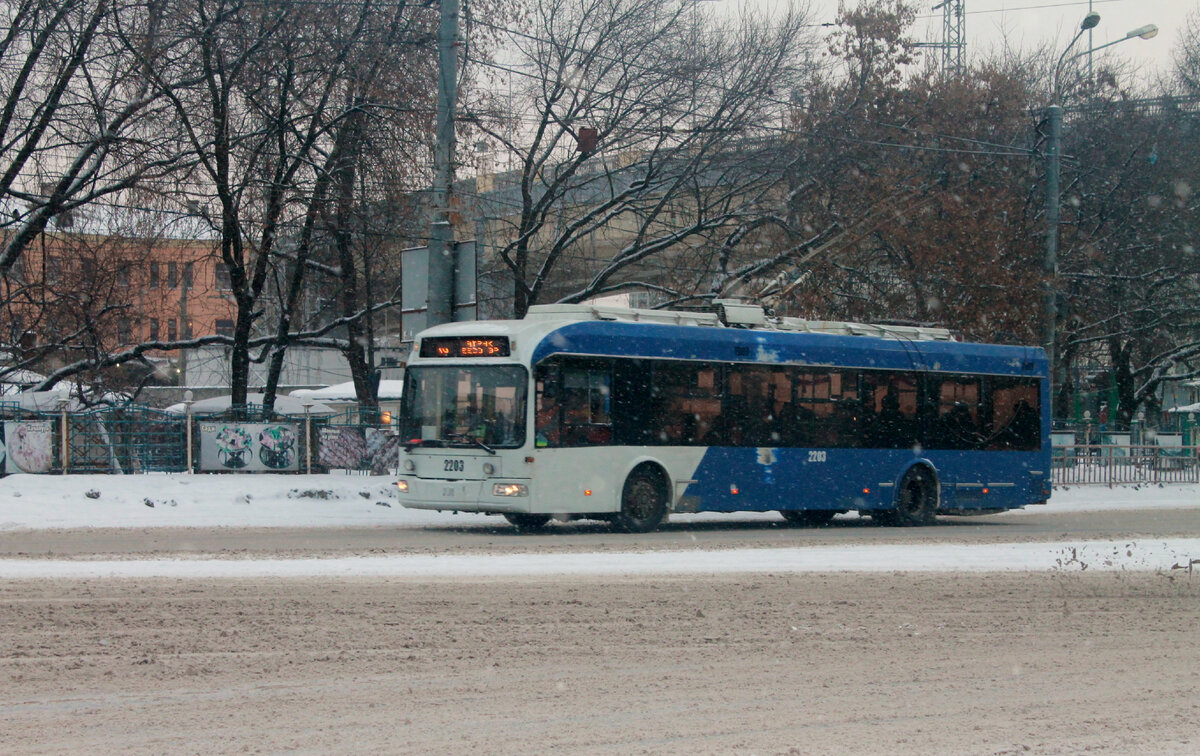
[630,415]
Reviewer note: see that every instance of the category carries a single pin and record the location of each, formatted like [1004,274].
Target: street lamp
[1149,31]
[308,405]
[1089,22]
[188,400]
[1054,114]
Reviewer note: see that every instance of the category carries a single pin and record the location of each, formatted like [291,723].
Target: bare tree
[272,76]
[376,108]
[1129,264]
[915,188]
[1187,56]
[633,129]
[78,122]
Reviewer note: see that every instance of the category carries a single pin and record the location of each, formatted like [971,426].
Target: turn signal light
[402,485]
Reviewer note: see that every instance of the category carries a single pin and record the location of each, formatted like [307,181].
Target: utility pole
[1054,115]
[953,36]
[440,302]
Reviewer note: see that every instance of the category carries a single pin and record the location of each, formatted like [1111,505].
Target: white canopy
[1187,408]
[21,377]
[389,390]
[41,401]
[284,405]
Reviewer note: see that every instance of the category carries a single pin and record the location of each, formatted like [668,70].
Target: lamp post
[1054,115]
[308,405]
[188,401]
[64,433]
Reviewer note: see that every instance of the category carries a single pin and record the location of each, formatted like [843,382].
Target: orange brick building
[94,292]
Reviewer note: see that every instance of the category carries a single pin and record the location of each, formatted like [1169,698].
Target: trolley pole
[440,302]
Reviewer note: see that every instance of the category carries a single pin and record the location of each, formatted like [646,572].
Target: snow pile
[39,502]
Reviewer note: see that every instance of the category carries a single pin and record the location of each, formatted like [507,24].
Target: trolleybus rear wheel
[527,523]
[809,518]
[916,500]
[643,504]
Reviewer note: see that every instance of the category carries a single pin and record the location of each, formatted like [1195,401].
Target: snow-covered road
[147,501]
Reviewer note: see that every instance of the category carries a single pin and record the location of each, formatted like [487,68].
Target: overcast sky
[1033,21]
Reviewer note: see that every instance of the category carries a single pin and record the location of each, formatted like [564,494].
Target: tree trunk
[1127,403]
[357,347]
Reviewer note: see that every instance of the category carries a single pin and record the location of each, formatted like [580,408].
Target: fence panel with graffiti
[26,446]
[248,447]
[357,447]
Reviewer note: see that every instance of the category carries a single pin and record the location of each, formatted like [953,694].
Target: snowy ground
[32,502]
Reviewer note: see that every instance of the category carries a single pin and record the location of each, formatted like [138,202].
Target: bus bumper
[512,495]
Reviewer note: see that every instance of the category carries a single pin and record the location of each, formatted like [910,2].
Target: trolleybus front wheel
[527,523]
[916,500]
[643,503]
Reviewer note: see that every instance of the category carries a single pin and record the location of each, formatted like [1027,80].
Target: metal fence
[128,439]
[1113,464]
[134,439]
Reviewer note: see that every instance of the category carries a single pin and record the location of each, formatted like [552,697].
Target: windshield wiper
[471,440]
[414,443]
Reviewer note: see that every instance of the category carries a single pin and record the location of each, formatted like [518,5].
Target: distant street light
[1089,22]
[1149,31]
[1054,115]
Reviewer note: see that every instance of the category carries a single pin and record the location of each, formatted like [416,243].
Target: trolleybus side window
[827,411]
[1015,414]
[587,401]
[685,399]
[632,411]
[574,402]
[955,418]
[547,423]
[758,400]
[891,403]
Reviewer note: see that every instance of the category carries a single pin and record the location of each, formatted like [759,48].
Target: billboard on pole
[414,294]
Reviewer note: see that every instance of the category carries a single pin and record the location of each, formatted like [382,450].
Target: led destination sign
[454,346]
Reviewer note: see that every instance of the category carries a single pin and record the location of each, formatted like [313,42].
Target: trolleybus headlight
[510,489]
[402,485]
[489,468]
[409,465]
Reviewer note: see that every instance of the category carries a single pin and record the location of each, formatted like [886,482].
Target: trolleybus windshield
[465,404]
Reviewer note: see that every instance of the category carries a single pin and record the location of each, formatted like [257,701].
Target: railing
[133,439]
[1113,464]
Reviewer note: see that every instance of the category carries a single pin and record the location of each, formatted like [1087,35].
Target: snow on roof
[1186,408]
[42,401]
[344,392]
[21,377]
[284,405]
